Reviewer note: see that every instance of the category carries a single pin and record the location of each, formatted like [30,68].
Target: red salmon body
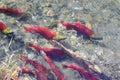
[80,28]
[88,75]
[2,9]
[39,75]
[45,32]
[51,52]
[67,25]
[2,26]
[55,69]
[37,65]
[15,11]
[12,11]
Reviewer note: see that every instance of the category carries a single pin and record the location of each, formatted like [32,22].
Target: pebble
[82,54]
[50,13]
[98,51]
[12,21]
[2,4]
[48,4]
[31,56]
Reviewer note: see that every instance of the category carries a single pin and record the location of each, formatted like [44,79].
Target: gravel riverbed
[102,16]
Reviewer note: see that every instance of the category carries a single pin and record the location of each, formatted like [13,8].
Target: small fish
[38,67]
[81,28]
[45,32]
[39,75]
[12,11]
[78,27]
[5,29]
[51,52]
[36,64]
[88,75]
[54,68]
